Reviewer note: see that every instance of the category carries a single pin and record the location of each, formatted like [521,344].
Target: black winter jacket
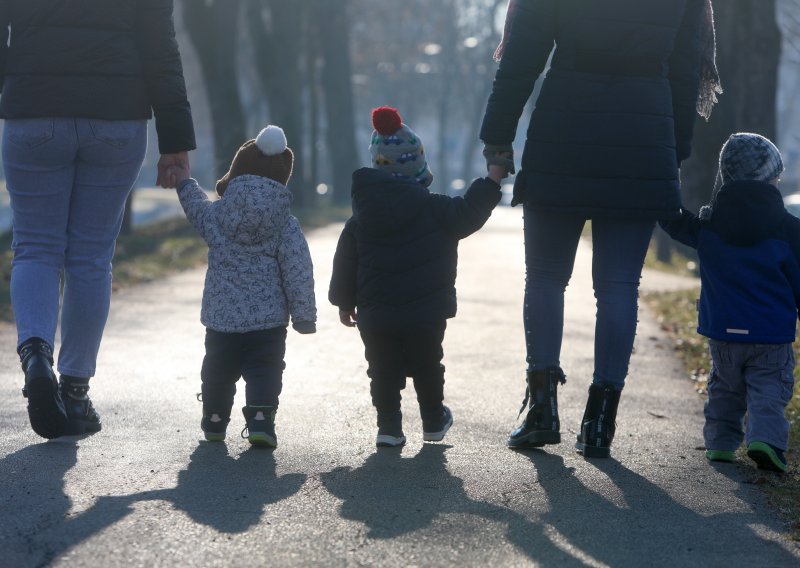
[397,255]
[749,251]
[107,59]
[616,111]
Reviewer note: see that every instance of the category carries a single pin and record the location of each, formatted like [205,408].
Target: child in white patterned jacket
[259,274]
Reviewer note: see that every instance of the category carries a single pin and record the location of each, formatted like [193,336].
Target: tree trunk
[279,60]
[213,27]
[748,53]
[333,27]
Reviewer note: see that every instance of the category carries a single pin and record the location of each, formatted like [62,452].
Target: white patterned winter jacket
[259,266]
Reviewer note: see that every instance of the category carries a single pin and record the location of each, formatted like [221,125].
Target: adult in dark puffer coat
[611,126]
[79,80]
[394,272]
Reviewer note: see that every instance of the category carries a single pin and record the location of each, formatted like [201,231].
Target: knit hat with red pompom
[396,149]
[267,156]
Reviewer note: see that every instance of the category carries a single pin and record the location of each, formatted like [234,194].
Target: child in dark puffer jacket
[259,274]
[749,251]
[394,272]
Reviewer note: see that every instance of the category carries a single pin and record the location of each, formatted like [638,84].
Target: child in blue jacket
[749,251]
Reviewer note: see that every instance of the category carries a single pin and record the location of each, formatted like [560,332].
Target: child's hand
[304,327]
[348,317]
[497,173]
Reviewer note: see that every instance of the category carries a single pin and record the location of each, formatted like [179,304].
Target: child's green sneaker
[720,456]
[767,456]
[214,425]
[260,426]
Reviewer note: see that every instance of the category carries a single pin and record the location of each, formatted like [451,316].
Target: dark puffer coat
[107,59]
[616,111]
[397,255]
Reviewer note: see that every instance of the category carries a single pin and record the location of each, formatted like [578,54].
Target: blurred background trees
[317,68]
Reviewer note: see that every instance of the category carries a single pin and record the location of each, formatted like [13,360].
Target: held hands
[497,173]
[348,317]
[500,155]
[173,169]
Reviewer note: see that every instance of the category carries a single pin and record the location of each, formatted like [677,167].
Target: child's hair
[747,156]
[395,148]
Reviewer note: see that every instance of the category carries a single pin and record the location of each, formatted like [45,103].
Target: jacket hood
[384,204]
[253,208]
[748,212]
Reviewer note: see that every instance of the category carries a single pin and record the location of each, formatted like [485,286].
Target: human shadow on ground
[394,496]
[217,490]
[617,517]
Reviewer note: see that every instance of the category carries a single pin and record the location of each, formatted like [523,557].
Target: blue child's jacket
[749,251]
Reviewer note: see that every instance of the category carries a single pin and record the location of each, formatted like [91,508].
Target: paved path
[146,492]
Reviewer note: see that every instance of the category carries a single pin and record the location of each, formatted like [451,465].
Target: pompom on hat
[396,149]
[267,156]
[748,156]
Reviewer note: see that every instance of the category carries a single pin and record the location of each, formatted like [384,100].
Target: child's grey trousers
[752,378]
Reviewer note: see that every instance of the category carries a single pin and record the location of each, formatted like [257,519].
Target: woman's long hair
[710,85]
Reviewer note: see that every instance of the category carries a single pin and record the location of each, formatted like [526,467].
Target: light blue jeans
[618,250]
[68,180]
[757,379]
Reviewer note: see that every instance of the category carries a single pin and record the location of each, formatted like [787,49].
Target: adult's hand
[171,167]
[499,155]
[348,317]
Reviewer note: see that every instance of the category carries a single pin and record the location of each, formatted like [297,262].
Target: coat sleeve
[163,76]
[343,288]
[531,39]
[792,235]
[685,229]
[297,273]
[684,75]
[198,208]
[462,216]
[4,22]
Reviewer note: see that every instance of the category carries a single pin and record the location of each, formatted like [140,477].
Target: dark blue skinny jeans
[619,247]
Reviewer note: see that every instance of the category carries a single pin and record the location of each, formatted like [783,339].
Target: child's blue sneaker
[767,456]
[390,430]
[436,424]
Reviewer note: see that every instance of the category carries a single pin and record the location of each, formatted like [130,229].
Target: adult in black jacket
[79,80]
[394,272]
[611,126]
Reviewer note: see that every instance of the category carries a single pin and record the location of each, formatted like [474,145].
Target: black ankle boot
[82,416]
[598,424]
[541,425]
[45,408]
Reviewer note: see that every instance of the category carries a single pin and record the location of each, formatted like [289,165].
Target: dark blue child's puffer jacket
[749,250]
[397,256]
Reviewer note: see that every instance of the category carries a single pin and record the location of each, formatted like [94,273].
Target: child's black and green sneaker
[214,425]
[260,429]
[725,456]
[767,456]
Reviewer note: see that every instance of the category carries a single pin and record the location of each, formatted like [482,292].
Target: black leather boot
[598,424]
[541,425]
[45,408]
[83,418]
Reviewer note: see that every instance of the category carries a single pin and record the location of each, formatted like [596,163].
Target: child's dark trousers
[257,356]
[394,355]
